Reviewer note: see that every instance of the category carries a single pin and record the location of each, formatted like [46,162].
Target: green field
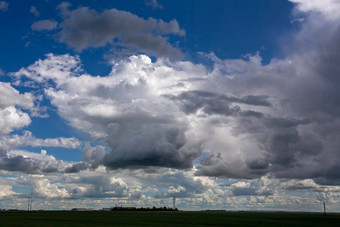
[159,218]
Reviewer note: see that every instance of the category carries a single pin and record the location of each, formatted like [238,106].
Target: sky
[222,104]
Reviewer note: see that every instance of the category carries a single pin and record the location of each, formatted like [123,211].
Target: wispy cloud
[154,4]
[44,25]
[34,11]
[3,6]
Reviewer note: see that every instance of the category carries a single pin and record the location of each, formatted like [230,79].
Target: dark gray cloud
[216,165]
[284,147]
[77,167]
[35,164]
[244,191]
[150,145]
[93,157]
[300,132]
[318,98]
[215,103]
[83,28]
[258,164]
[255,100]
[251,113]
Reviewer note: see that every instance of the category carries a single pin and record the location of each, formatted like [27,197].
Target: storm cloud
[239,119]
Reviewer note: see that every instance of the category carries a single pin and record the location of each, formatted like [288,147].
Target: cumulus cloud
[44,25]
[15,160]
[93,157]
[103,108]
[98,186]
[329,8]
[27,139]
[43,187]
[11,117]
[138,188]
[53,68]
[288,143]
[241,119]
[9,96]
[83,28]
[167,114]
[179,185]
[29,162]
[3,6]
[22,161]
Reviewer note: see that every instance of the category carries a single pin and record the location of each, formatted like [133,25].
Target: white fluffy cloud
[53,68]
[329,8]
[42,187]
[12,118]
[6,190]
[9,96]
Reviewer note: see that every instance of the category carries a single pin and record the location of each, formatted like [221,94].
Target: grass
[159,218]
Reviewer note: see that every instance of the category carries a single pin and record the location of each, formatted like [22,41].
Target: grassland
[159,218]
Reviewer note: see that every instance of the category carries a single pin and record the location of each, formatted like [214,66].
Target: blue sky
[222,104]
[222,27]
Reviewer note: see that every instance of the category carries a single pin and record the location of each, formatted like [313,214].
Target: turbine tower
[324,207]
[174,202]
[29,206]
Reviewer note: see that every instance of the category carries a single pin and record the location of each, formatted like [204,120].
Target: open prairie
[159,218]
